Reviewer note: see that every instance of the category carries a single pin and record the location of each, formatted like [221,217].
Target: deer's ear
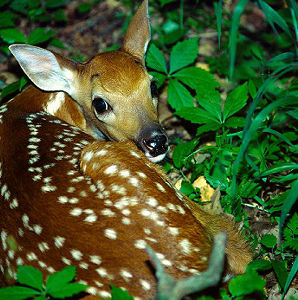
[48,71]
[137,35]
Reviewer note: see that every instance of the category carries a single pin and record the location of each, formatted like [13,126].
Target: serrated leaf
[246,284]
[252,89]
[12,35]
[7,19]
[235,122]
[268,240]
[182,150]
[39,35]
[210,99]
[210,126]
[17,293]
[155,59]
[119,294]
[61,278]
[183,54]
[259,265]
[178,95]
[196,115]
[196,78]
[67,290]
[235,101]
[30,276]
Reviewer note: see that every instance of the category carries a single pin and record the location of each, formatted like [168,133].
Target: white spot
[126,221]
[62,199]
[140,244]
[152,201]
[110,233]
[95,259]
[55,102]
[185,246]
[59,241]
[173,230]
[48,188]
[160,187]
[134,181]
[111,170]
[126,275]
[83,265]
[76,254]
[102,272]
[142,175]
[101,152]
[126,212]
[91,218]
[107,212]
[145,284]
[71,189]
[76,211]
[104,294]
[124,173]
[37,229]
[66,260]
[135,154]
[31,256]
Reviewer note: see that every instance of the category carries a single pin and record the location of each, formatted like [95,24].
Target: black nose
[154,141]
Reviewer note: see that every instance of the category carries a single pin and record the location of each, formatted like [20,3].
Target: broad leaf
[183,150]
[17,293]
[268,240]
[259,265]
[196,78]
[178,95]
[60,278]
[235,122]
[211,101]
[196,115]
[12,35]
[183,54]
[30,276]
[39,35]
[246,284]
[119,294]
[235,101]
[210,126]
[155,59]
[67,290]
[280,272]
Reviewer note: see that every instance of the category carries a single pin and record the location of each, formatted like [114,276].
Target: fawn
[68,199]
[109,96]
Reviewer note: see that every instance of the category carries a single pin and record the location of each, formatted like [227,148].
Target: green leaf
[235,122]
[292,274]
[119,294]
[246,284]
[178,95]
[273,16]
[39,35]
[10,89]
[280,272]
[268,240]
[12,35]
[17,293]
[3,2]
[235,101]
[218,13]
[259,265]
[197,78]
[30,276]
[155,59]
[252,89]
[183,54]
[210,126]
[210,99]
[61,278]
[67,290]
[280,167]
[7,19]
[182,150]
[196,115]
[186,188]
[84,8]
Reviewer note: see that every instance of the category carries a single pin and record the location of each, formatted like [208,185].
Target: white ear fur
[43,69]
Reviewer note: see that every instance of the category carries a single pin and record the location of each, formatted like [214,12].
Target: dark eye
[100,105]
[154,90]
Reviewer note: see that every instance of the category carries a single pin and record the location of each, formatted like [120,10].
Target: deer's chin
[155,159]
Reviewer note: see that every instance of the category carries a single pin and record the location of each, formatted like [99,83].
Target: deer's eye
[100,105]
[154,90]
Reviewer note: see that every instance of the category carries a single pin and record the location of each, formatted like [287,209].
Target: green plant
[30,285]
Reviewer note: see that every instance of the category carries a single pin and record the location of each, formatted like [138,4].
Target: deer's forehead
[118,72]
